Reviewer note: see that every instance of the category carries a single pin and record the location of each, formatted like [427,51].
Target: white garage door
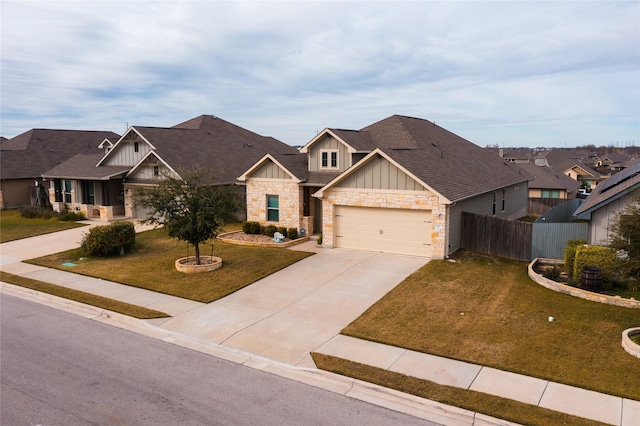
[397,231]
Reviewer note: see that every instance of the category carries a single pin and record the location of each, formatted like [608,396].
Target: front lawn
[15,227]
[151,266]
[486,310]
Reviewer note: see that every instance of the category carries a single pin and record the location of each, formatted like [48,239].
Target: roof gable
[277,170]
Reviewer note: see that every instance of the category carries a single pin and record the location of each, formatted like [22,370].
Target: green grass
[82,297]
[487,311]
[151,266]
[490,405]
[15,227]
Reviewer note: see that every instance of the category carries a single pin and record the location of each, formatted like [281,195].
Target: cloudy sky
[509,73]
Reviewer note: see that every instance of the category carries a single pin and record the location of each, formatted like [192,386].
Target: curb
[356,389]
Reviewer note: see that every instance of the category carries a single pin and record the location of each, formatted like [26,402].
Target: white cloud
[495,72]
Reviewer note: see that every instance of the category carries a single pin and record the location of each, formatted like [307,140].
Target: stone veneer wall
[290,201]
[422,200]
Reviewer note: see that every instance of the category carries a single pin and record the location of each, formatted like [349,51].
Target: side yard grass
[486,310]
[82,297]
[15,227]
[151,266]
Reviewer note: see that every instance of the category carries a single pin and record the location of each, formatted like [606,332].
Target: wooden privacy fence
[538,206]
[497,237]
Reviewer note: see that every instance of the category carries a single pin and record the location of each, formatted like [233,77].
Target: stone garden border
[211,264]
[628,344]
[221,237]
[576,292]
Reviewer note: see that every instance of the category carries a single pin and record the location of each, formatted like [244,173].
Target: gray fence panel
[548,240]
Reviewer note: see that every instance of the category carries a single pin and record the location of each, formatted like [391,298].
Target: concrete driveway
[289,314]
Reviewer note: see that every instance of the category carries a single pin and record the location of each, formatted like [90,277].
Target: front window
[504,200]
[493,203]
[273,208]
[88,194]
[67,191]
[156,171]
[329,159]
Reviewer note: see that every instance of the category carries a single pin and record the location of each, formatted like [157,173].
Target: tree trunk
[197,246]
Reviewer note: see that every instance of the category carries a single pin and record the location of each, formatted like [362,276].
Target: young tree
[625,235]
[191,208]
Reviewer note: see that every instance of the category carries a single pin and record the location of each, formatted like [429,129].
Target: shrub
[109,240]
[570,254]
[282,230]
[597,256]
[251,227]
[69,216]
[292,233]
[30,212]
[269,230]
[552,273]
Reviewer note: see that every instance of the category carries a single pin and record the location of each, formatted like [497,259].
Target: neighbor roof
[82,166]
[547,178]
[32,153]
[613,188]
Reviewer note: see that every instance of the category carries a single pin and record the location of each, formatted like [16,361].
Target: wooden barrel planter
[207,264]
[591,278]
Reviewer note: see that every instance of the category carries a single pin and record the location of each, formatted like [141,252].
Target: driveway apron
[287,315]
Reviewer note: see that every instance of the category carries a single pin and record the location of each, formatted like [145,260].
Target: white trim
[114,147]
[305,149]
[140,164]
[318,194]
[261,162]
[329,151]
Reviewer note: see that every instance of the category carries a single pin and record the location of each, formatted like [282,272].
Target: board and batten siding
[124,154]
[603,218]
[270,170]
[379,173]
[328,143]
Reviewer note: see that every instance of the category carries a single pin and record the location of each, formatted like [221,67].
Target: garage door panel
[383,230]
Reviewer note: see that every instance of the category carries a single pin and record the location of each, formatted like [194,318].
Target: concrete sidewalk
[302,309]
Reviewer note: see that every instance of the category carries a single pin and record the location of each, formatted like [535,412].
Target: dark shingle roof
[611,189]
[34,152]
[448,163]
[82,166]
[211,142]
[569,163]
[360,141]
[547,178]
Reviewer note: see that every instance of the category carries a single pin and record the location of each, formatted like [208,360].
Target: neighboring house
[606,201]
[586,176]
[548,183]
[104,185]
[613,161]
[516,155]
[27,156]
[397,186]
[556,156]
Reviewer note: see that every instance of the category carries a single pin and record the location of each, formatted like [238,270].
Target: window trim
[67,195]
[272,209]
[327,156]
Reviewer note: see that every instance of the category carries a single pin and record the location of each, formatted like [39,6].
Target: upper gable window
[136,146]
[329,159]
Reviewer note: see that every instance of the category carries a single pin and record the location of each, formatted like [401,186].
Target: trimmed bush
[109,240]
[269,230]
[29,212]
[282,230]
[251,227]
[597,256]
[570,254]
[69,216]
[292,233]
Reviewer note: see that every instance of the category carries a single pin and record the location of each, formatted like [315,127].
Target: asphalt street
[58,368]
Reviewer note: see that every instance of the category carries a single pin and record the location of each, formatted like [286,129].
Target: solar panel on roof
[618,178]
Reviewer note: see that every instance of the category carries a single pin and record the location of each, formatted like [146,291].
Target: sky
[536,74]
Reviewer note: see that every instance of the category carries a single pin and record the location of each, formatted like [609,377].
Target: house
[606,201]
[516,155]
[585,175]
[26,157]
[613,161]
[399,186]
[104,185]
[548,183]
